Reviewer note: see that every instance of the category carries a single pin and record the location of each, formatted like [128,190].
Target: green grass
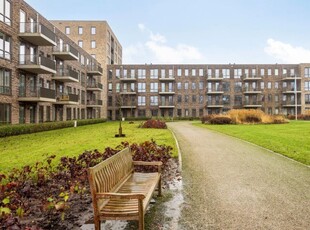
[18,151]
[291,140]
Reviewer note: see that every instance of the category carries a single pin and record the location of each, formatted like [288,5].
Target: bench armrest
[109,195]
[149,163]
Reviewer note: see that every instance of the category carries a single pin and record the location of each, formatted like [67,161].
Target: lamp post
[295,92]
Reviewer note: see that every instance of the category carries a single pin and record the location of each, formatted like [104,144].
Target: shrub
[11,130]
[206,118]
[155,124]
[279,119]
[220,120]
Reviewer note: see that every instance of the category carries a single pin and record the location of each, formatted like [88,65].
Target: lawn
[291,140]
[17,151]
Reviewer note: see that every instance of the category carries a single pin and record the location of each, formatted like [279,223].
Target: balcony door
[21,114]
[22,84]
[22,54]
[22,20]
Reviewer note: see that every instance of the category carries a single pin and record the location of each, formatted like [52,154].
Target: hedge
[12,130]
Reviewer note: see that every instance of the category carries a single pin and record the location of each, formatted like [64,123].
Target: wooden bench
[119,193]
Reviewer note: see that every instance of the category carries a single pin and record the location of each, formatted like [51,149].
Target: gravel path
[231,184]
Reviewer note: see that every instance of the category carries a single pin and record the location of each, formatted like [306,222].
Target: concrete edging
[178,148]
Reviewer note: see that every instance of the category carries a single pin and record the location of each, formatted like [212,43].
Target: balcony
[128,106]
[169,92]
[167,79]
[67,99]
[291,103]
[166,105]
[291,90]
[94,70]
[215,78]
[251,78]
[128,79]
[215,91]
[252,104]
[94,86]
[39,94]
[37,34]
[66,75]
[36,64]
[251,91]
[65,52]
[215,104]
[94,103]
[287,77]
[128,92]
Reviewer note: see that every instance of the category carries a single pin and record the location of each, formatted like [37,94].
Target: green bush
[12,130]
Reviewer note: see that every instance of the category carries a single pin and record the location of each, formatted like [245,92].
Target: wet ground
[228,184]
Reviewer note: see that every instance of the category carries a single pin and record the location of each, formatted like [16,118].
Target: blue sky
[197,31]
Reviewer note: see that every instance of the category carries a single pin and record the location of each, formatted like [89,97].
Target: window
[269,72]
[237,73]
[118,87]
[154,100]
[67,30]
[276,72]
[292,72]
[226,86]
[179,85]
[154,73]
[93,44]
[80,43]
[186,72]
[269,98]
[5,113]
[141,73]
[5,11]
[93,30]
[307,72]
[201,85]
[179,98]
[5,81]
[200,99]
[154,87]
[307,85]
[193,85]
[209,73]
[110,87]
[193,72]
[269,85]
[238,100]
[141,101]
[226,73]
[163,73]
[179,112]
[194,98]
[186,98]
[238,86]
[141,87]
[262,85]
[171,73]
[276,85]
[200,72]
[217,73]
[179,73]
[307,98]
[186,85]
[246,73]
[5,46]
[117,73]
[80,30]
[132,73]
[262,72]
[93,56]
[276,98]
[253,72]
[226,99]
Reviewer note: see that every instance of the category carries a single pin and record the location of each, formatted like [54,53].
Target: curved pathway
[231,184]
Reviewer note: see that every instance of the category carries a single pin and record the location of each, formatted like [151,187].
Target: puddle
[169,216]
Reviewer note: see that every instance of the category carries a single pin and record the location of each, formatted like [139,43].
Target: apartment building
[98,39]
[44,75]
[197,90]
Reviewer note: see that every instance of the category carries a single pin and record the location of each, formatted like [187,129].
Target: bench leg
[97,223]
[159,187]
[141,214]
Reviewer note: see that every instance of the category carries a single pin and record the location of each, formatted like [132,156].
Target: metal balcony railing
[62,72]
[34,59]
[94,85]
[94,102]
[36,92]
[65,48]
[36,27]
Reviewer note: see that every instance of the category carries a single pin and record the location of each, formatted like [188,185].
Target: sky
[197,31]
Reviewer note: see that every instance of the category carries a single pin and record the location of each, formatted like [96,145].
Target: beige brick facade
[197,90]
[108,50]
[50,77]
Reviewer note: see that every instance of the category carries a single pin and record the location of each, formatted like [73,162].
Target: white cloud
[287,53]
[141,26]
[157,50]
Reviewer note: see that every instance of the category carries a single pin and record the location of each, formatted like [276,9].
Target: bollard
[75,124]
